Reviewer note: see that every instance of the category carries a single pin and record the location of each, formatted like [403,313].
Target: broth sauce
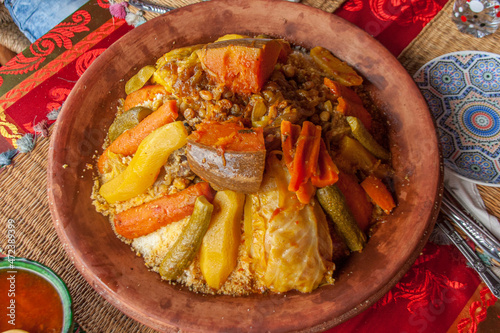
[29,302]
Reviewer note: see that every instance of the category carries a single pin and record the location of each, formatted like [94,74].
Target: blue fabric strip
[36,17]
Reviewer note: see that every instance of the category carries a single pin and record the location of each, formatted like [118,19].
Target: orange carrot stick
[339,90]
[356,199]
[305,192]
[289,135]
[349,108]
[313,153]
[128,142]
[103,162]
[142,95]
[350,104]
[379,193]
[326,172]
[303,156]
[149,217]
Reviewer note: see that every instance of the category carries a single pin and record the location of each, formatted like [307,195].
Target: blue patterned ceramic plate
[462,90]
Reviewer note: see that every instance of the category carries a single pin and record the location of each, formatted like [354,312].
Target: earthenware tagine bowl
[122,278]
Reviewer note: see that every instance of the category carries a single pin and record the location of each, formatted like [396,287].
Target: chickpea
[324,116]
[235,109]
[303,93]
[309,85]
[270,138]
[189,114]
[289,70]
[225,104]
[328,106]
[268,95]
[206,95]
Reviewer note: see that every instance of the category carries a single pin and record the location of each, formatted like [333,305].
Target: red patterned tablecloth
[438,294]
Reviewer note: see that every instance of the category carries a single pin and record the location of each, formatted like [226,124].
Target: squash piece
[228,156]
[138,81]
[353,156]
[243,65]
[142,171]
[219,250]
[335,67]
[364,137]
[185,248]
[334,204]
[128,142]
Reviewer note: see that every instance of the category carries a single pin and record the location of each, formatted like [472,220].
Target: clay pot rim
[134,310]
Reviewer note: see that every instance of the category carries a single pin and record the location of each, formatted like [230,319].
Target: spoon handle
[486,274]
[482,238]
[150,7]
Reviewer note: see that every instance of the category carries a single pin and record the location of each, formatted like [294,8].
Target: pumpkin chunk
[228,155]
[243,65]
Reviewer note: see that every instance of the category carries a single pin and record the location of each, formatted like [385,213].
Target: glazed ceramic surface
[122,278]
[462,90]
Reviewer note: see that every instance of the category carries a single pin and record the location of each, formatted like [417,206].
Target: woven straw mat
[10,35]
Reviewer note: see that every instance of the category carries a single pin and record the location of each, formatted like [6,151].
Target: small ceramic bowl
[14,264]
[462,90]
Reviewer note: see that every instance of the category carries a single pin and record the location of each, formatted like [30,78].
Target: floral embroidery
[477,312]
[103,3]
[404,12]
[9,130]
[86,60]
[421,287]
[58,96]
[59,36]
[353,6]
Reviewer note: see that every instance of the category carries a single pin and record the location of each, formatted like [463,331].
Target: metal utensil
[150,7]
[481,237]
[486,274]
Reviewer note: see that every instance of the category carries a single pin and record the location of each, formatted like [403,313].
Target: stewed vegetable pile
[245,165]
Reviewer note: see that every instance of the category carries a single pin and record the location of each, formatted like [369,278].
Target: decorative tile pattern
[462,90]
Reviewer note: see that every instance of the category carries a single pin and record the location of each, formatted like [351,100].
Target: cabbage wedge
[289,242]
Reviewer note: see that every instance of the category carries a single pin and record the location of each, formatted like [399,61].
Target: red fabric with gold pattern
[429,298]
[394,23]
[31,84]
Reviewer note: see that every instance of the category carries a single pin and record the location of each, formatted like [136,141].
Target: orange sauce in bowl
[29,302]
